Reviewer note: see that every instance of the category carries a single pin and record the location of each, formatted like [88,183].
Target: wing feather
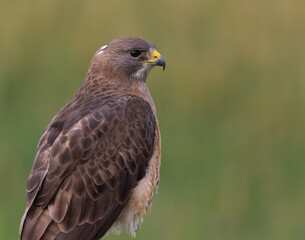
[82,176]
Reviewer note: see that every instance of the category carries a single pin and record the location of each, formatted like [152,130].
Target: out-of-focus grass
[230,104]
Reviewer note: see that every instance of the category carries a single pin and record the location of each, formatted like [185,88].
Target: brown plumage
[98,159]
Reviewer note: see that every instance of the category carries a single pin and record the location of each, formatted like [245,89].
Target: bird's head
[127,57]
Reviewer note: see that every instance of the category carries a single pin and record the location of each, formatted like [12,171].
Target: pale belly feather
[134,212]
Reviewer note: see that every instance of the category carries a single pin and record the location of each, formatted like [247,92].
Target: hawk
[98,160]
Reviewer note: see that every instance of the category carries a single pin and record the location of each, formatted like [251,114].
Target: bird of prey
[97,162]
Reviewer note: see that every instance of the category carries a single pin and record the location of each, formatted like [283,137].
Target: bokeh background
[231,106]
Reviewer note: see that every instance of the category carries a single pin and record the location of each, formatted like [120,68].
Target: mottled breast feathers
[76,184]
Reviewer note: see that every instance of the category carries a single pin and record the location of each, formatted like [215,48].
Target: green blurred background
[231,106]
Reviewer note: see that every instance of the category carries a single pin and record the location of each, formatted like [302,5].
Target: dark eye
[135,53]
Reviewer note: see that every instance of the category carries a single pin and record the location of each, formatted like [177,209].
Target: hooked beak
[160,62]
[157,60]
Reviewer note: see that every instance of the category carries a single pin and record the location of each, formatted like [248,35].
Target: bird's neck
[101,87]
[137,87]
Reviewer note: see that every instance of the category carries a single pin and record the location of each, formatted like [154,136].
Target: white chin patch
[102,49]
[143,72]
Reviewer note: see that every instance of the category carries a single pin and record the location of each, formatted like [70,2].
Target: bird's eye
[135,53]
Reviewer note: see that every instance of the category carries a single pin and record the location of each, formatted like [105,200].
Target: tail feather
[37,224]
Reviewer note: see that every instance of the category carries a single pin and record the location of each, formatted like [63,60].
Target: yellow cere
[156,55]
